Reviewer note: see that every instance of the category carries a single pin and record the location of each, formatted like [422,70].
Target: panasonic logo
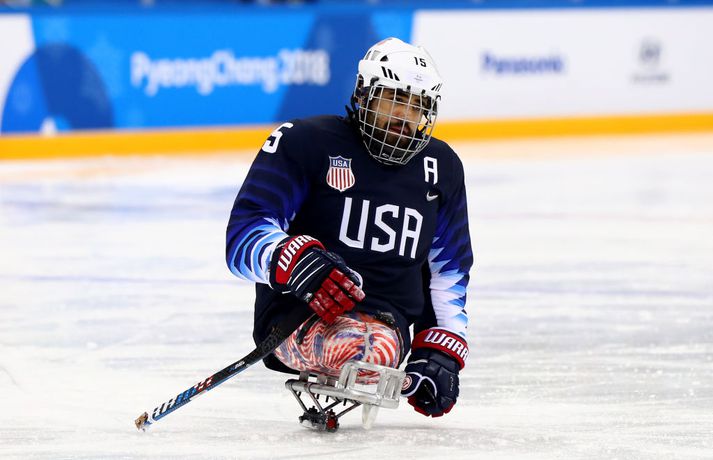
[522,65]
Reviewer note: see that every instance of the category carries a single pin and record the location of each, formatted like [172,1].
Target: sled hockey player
[363,218]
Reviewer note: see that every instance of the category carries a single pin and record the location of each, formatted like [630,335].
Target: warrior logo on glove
[445,341]
[301,266]
[291,252]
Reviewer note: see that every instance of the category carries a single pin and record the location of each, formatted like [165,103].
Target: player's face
[396,116]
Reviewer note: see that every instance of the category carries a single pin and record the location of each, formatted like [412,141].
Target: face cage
[375,124]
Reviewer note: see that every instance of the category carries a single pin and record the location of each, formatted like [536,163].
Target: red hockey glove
[431,385]
[300,265]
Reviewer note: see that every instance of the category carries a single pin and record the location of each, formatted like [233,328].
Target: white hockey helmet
[396,100]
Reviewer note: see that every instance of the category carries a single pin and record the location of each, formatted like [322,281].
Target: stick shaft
[278,335]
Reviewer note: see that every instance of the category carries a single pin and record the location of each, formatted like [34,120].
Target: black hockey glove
[431,385]
[300,265]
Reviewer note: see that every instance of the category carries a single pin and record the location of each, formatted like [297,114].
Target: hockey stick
[278,335]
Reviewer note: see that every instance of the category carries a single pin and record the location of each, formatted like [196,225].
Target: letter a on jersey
[340,175]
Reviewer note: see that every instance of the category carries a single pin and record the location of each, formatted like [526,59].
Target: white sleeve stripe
[251,256]
[447,295]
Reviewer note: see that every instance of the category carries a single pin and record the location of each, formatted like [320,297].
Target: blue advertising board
[101,70]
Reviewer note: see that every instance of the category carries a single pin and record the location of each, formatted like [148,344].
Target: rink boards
[174,80]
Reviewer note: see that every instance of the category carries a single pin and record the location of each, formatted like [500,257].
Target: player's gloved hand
[302,266]
[431,385]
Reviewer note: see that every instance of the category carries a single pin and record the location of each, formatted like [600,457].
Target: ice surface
[591,305]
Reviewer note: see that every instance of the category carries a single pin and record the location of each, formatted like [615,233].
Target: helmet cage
[390,138]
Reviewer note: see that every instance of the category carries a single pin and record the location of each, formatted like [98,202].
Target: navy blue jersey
[404,229]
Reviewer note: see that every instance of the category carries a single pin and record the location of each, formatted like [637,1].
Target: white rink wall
[498,64]
[570,62]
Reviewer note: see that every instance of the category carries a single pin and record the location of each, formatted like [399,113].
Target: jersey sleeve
[272,193]
[450,259]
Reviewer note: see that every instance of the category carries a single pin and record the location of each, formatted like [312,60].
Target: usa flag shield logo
[340,175]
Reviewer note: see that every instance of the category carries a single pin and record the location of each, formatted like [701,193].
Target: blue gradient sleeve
[450,260]
[268,200]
